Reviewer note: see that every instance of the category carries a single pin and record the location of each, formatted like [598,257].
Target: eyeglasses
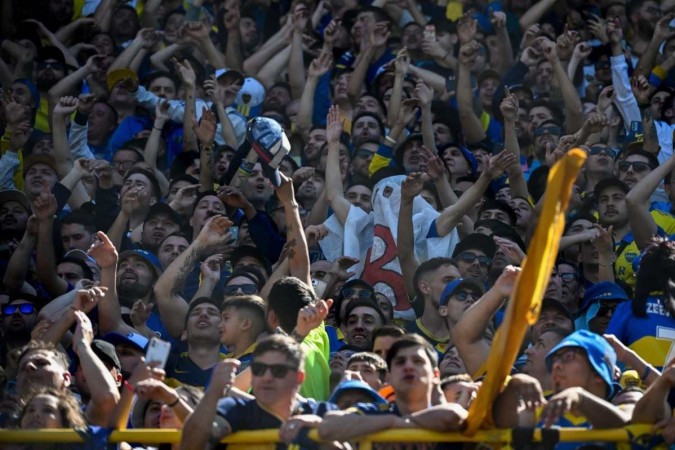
[550,130]
[363,153]
[566,356]
[606,308]
[638,166]
[54,65]
[471,257]
[568,277]
[247,289]
[24,308]
[278,370]
[600,150]
[463,296]
[125,165]
[362,294]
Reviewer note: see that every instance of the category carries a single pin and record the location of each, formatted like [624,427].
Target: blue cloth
[126,130]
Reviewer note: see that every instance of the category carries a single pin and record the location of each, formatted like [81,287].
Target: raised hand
[195,30]
[402,62]
[581,51]
[332,32]
[530,56]
[232,18]
[148,37]
[509,106]
[314,233]
[614,31]
[510,249]
[14,112]
[233,197]
[320,65]
[162,112]
[103,251]
[495,166]
[379,34]
[95,63]
[86,103]
[210,268]
[20,135]
[186,72]
[424,93]
[140,313]
[607,96]
[413,185]
[223,376]
[44,206]
[84,331]
[641,88]
[466,28]
[215,231]
[468,53]
[333,125]
[66,106]
[87,299]
[311,316]
[285,191]
[598,27]
[561,404]
[498,20]
[408,110]
[300,18]
[531,34]
[603,240]
[206,128]
[662,31]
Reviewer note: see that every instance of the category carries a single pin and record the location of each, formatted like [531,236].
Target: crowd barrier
[157,436]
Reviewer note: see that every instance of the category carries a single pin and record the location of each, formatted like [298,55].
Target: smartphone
[234,235]
[319,287]
[158,351]
[430,32]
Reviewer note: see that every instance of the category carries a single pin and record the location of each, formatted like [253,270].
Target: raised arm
[471,125]
[498,20]
[334,187]
[206,132]
[19,261]
[189,78]
[405,240]
[662,32]
[199,32]
[64,160]
[44,207]
[468,333]
[296,64]
[274,45]
[371,47]
[317,68]
[233,57]
[298,253]
[509,110]
[653,406]
[533,15]
[222,97]
[492,169]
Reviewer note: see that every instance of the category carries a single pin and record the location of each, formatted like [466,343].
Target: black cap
[551,303]
[105,352]
[163,209]
[609,182]
[476,241]
[50,52]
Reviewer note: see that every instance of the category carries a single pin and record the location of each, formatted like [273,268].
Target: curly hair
[69,407]
[656,274]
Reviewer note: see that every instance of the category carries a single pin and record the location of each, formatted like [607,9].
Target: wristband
[390,140]
[174,403]
[128,386]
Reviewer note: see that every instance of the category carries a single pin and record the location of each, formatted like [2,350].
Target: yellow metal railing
[157,436]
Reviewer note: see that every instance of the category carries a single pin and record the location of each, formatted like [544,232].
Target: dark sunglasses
[551,130]
[278,370]
[463,296]
[604,309]
[247,289]
[360,293]
[53,65]
[638,166]
[599,150]
[363,153]
[471,257]
[24,308]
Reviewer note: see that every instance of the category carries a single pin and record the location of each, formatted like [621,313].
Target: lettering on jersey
[630,256]
[658,309]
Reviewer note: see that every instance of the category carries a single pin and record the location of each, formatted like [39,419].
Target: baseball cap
[50,52]
[134,339]
[8,195]
[455,285]
[605,290]
[39,159]
[269,141]
[118,75]
[148,257]
[600,354]
[470,158]
[105,351]
[476,241]
[163,209]
[85,258]
[609,182]
[230,73]
[356,385]
[551,303]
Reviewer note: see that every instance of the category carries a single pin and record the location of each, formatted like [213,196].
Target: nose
[30,367]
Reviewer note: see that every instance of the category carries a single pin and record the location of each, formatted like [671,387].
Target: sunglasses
[362,294]
[471,257]
[602,150]
[604,309]
[246,289]
[638,166]
[278,370]
[24,308]
[463,296]
[53,65]
[550,130]
[568,355]
[363,153]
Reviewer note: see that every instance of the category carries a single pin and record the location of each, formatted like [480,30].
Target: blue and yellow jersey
[652,337]
[438,342]
[244,358]
[180,369]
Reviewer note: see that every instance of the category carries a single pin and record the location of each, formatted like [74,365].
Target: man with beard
[546,136]
[14,213]
[311,153]
[137,273]
[278,96]
[194,366]
[366,127]
[19,317]
[362,318]
[362,156]
[310,190]
[51,68]
[160,222]
[643,16]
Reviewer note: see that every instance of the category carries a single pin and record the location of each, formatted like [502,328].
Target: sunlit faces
[551,318]
[633,169]
[612,206]
[312,150]
[451,363]
[203,322]
[156,228]
[432,284]
[455,161]
[535,365]
[170,249]
[41,368]
[360,325]
[571,368]
[411,371]
[206,207]
[43,411]
[365,128]
[270,389]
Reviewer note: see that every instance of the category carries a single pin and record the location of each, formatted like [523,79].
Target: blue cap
[34,92]
[134,339]
[452,286]
[356,385]
[605,290]
[269,141]
[470,158]
[600,354]
[147,256]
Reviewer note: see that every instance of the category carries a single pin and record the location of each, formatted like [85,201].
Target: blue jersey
[248,414]
[652,337]
[571,421]
[180,369]
[437,342]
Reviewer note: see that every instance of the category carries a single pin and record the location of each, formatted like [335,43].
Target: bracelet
[128,386]
[174,403]
[606,265]
[390,140]
[155,128]
[648,369]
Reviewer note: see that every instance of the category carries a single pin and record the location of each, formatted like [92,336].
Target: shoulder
[229,404]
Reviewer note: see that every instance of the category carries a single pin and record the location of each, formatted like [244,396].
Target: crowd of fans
[352,279]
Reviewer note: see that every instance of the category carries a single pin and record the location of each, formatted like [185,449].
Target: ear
[424,287]
[246,324]
[437,374]
[183,335]
[67,378]
[119,378]
[300,377]
[443,311]
[153,200]
[272,320]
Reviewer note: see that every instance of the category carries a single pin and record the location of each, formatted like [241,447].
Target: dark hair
[502,206]
[388,330]
[368,114]
[34,346]
[412,340]
[200,301]
[182,162]
[656,273]
[147,81]
[358,303]
[340,298]
[426,267]
[156,190]
[286,298]
[252,273]
[86,270]
[82,218]
[556,112]
[252,305]
[379,101]
[282,344]
[380,13]
[374,359]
